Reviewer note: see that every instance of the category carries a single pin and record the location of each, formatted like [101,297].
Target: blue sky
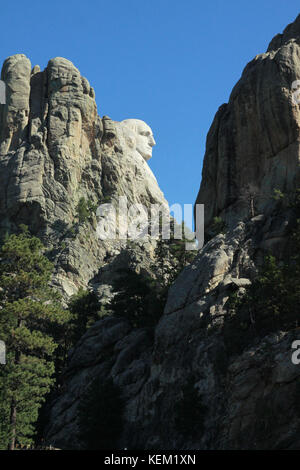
[170,63]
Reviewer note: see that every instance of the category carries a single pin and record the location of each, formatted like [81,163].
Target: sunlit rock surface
[61,150]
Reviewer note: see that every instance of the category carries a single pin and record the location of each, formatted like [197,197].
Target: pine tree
[85,309]
[138,297]
[180,254]
[132,292]
[82,210]
[30,316]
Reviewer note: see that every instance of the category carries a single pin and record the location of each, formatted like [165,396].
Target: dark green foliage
[289,200]
[190,411]
[172,256]
[178,249]
[82,210]
[100,416]
[86,310]
[60,226]
[181,255]
[278,195]
[218,226]
[105,200]
[85,209]
[138,298]
[270,304]
[30,317]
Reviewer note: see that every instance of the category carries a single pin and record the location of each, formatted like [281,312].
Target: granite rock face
[253,144]
[249,400]
[65,151]
[16,73]
[55,150]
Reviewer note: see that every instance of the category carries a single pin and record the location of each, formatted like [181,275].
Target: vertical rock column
[14,114]
[71,121]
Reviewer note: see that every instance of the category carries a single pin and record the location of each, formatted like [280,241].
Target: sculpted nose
[152,141]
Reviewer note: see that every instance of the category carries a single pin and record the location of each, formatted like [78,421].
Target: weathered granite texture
[54,150]
[254,138]
[249,400]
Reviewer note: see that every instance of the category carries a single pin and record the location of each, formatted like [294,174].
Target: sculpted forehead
[142,126]
[137,125]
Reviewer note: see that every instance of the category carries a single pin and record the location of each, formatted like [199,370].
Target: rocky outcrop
[248,400]
[244,401]
[16,73]
[55,150]
[253,144]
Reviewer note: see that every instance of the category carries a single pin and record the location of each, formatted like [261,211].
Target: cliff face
[55,150]
[248,400]
[254,139]
[60,150]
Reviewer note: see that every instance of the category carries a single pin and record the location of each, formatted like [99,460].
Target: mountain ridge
[244,400]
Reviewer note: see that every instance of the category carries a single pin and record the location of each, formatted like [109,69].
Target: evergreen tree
[174,252]
[85,309]
[217,226]
[82,210]
[29,317]
[85,210]
[138,297]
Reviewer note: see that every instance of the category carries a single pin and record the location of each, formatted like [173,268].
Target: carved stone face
[143,135]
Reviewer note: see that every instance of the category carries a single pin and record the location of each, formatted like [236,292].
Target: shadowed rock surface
[248,400]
